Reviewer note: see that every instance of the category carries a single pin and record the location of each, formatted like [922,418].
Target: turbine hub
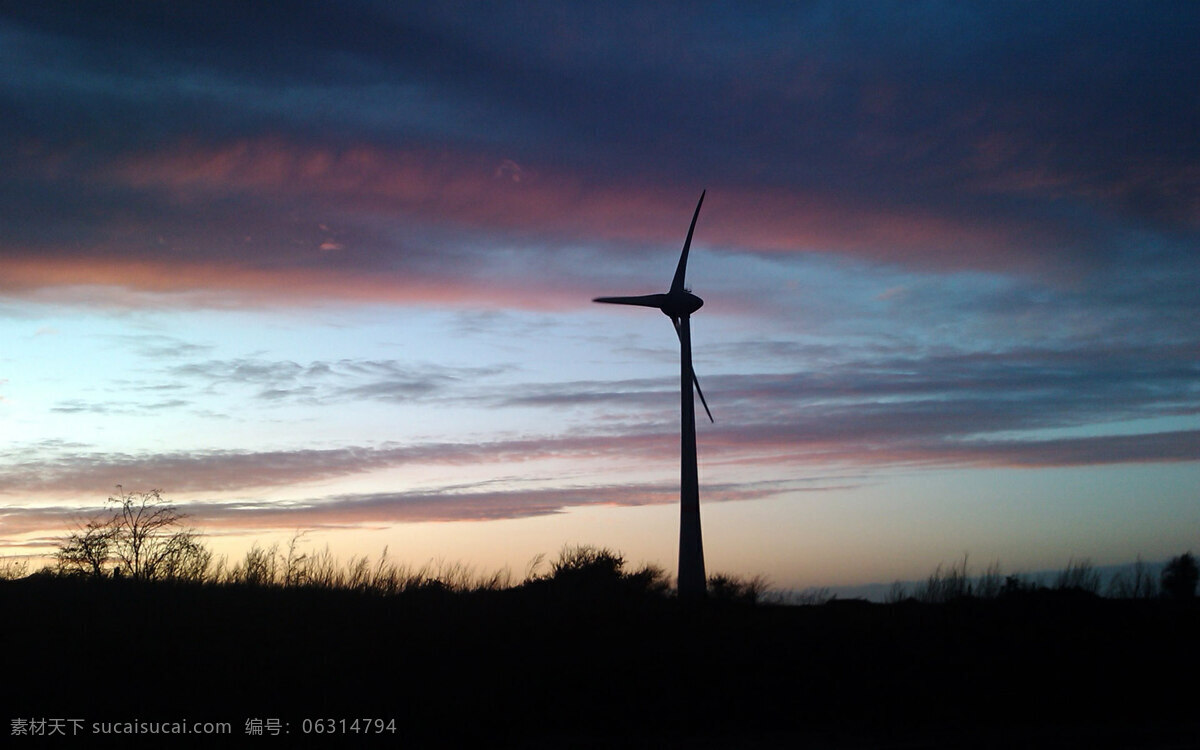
[681,304]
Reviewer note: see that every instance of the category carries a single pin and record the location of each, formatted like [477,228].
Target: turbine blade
[681,269]
[695,380]
[700,393]
[645,300]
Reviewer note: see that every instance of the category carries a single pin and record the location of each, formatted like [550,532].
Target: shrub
[587,568]
[586,560]
[730,588]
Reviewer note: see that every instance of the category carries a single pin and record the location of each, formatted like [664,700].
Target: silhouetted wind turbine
[678,304]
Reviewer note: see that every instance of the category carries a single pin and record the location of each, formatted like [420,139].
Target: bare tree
[88,550]
[145,528]
[143,539]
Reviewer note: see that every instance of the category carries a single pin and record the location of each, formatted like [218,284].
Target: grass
[586,568]
[586,650]
[1138,583]
[13,569]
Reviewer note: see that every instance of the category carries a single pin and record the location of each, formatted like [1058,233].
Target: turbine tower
[678,304]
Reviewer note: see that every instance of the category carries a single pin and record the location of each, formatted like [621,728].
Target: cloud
[921,433]
[864,390]
[334,381]
[79,406]
[965,233]
[475,503]
[977,139]
[1176,445]
[73,471]
[458,503]
[158,346]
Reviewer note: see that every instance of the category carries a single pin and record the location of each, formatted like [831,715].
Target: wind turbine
[678,304]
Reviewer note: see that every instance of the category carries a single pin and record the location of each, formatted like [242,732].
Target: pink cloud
[471,190]
[225,284]
[476,192]
[376,509]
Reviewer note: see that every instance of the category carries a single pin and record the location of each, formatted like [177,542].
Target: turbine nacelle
[680,304]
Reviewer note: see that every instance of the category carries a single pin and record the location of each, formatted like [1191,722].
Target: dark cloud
[985,391]
[223,137]
[639,394]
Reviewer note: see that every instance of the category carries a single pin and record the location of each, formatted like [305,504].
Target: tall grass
[1079,575]
[585,570]
[579,566]
[1138,583]
[946,582]
[956,581]
[813,596]
[13,569]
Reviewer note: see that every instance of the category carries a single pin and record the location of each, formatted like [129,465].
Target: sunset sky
[328,267]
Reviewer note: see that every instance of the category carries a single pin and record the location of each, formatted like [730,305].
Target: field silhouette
[591,654]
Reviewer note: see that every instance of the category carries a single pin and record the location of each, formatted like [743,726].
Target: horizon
[332,270]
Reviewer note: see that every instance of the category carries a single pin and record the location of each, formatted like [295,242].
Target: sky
[327,268]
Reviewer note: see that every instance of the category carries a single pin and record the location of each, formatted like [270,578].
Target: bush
[587,561]
[585,568]
[724,587]
[588,571]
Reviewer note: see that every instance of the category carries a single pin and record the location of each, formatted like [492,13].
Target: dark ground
[539,668]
